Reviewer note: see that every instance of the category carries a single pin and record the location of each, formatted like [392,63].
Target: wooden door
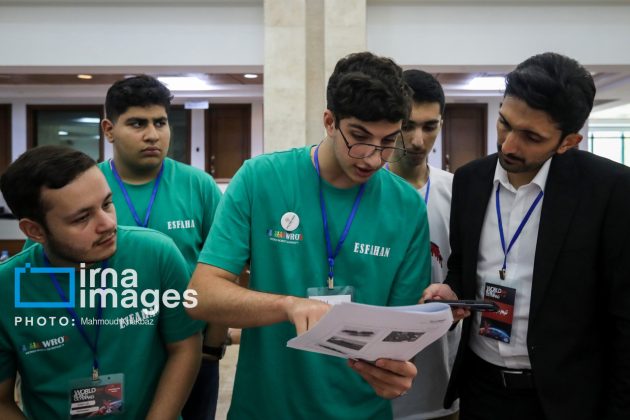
[228,138]
[5,137]
[464,135]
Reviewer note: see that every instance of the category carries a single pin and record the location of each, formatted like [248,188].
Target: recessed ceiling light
[62,133]
[190,83]
[84,76]
[250,76]
[487,83]
[88,120]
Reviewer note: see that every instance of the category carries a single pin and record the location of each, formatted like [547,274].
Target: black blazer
[579,318]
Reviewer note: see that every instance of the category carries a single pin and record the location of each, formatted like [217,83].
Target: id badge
[337,294]
[498,325]
[102,397]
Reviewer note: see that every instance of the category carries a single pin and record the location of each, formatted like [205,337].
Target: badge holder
[331,295]
[103,396]
[498,325]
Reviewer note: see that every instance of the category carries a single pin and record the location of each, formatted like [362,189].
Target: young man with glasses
[314,222]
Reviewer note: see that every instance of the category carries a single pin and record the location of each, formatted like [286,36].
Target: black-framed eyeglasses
[365,150]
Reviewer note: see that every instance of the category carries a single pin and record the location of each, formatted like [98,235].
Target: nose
[105,221]
[374,160]
[510,144]
[417,138]
[151,133]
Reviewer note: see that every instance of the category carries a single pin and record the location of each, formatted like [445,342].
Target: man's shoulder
[23,257]
[280,158]
[141,239]
[484,166]
[601,164]
[183,170]
[272,170]
[395,187]
[440,174]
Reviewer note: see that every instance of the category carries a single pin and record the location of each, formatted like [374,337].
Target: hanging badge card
[102,397]
[498,325]
[337,294]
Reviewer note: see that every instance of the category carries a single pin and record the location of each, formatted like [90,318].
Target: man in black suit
[543,230]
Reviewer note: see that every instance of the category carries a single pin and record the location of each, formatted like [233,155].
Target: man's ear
[33,230]
[569,142]
[329,122]
[107,126]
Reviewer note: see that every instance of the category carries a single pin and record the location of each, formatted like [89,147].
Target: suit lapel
[559,203]
[480,191]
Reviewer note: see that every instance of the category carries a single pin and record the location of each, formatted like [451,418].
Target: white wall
[453,37]
[122,35]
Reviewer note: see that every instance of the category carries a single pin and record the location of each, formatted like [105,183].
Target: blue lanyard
[134,213]
[426,195]
[355,206]
[518,230]
[77,320]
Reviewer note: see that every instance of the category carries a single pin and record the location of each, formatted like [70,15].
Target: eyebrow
[144,120]
[534,133]
[432,121]
[365,130]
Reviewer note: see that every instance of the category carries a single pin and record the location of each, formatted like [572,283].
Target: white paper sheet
[366,332]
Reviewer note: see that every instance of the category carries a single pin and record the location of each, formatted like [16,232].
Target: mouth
[415,155]
[509,160]
[151,151]
[364,172]
[107,240]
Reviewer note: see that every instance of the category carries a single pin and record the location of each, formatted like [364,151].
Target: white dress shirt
[520,264]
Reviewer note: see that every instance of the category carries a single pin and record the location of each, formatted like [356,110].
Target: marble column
[303,41]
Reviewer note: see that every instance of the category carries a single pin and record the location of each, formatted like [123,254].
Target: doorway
[464,135]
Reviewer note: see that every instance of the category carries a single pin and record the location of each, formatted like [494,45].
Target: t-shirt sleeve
[8,365]
[175,324]
[228,245]
[414,274]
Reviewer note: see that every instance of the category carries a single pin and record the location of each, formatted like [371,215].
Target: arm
[8,408]
[222,301]
[178,376]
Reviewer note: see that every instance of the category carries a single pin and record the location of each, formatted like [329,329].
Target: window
[77,126]
[612,143]
[5,137]
[179,121]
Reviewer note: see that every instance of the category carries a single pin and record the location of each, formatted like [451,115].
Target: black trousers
[485,396]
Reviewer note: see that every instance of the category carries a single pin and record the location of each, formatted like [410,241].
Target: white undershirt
[520,264]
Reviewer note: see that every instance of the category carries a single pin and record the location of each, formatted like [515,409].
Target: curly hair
[369,88]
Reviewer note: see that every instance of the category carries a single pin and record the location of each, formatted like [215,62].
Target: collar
[500,175]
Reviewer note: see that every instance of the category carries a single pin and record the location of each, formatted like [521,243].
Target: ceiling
[108,79]
[612,100]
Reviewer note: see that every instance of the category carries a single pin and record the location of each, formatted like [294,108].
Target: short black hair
[425,87]
[557,85]
[369,88]
[142,91]
[52,167]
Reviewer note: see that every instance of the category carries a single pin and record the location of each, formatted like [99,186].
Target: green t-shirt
[184,206]
[49,356]
[385,257]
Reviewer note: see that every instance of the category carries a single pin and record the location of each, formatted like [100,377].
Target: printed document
[366,332]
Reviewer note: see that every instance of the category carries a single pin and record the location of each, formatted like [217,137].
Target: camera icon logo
[21,272]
